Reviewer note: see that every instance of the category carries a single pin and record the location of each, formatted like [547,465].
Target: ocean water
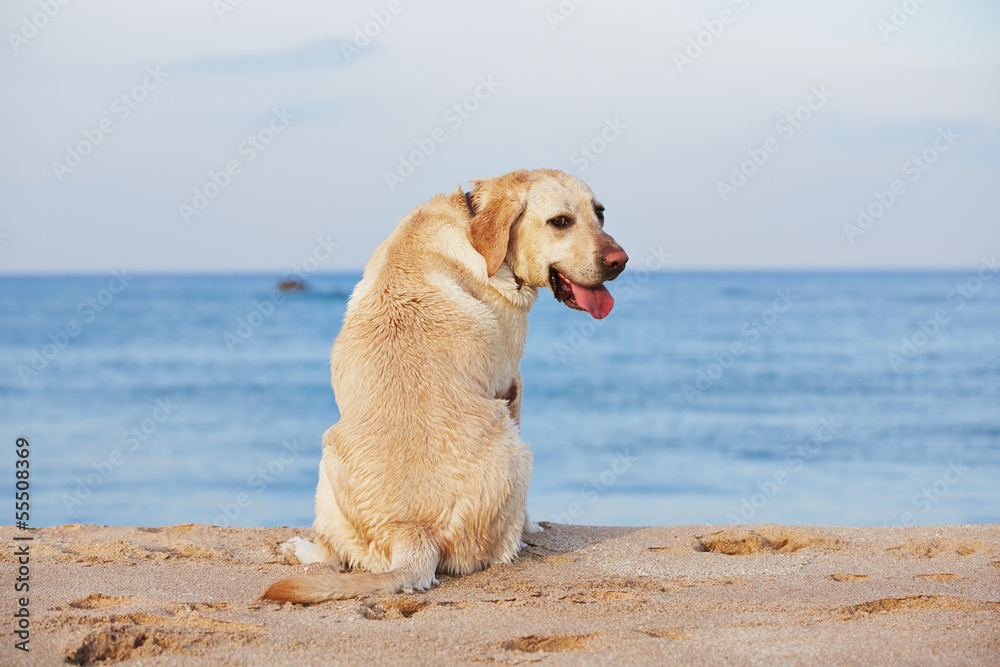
[805,398]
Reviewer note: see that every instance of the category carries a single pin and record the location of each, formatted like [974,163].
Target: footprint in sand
[664,633]
[944,576]
[766,539]
[549,644]
[389,609]
[915,603]
[940,547]
[174,627]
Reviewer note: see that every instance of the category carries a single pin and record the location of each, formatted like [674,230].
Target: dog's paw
[421,585]
[301,548]
[530,526]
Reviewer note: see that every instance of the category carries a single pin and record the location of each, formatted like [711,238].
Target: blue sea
[842,398]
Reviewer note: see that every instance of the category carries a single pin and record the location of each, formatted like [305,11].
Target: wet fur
[426,472]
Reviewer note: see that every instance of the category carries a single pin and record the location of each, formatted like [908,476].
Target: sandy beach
[185,595]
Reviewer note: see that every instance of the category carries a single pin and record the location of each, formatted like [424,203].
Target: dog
[426,472]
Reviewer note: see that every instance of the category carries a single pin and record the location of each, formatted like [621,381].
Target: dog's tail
[414,562]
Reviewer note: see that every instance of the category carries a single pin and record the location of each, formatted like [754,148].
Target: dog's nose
[615,259]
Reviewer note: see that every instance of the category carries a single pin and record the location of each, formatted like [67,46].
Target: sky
[239,135]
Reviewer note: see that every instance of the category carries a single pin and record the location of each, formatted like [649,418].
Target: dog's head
[549,228]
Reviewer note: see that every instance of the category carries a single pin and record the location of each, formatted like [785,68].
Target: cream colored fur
[426,472]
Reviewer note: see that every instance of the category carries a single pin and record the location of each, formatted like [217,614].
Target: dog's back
[443,452]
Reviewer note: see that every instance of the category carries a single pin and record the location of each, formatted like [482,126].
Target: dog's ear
[497,203]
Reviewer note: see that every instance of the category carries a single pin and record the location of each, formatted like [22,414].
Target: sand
[185,595]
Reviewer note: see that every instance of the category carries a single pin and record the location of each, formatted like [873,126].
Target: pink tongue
[596,301]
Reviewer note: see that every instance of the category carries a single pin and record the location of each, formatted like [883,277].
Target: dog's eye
[560,221]
[599,210]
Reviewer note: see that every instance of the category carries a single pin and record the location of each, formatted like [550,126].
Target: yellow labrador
[425,472]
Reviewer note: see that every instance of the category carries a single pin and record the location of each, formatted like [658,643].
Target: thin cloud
[321,54]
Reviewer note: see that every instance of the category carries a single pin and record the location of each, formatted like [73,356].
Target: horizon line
[284,274]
